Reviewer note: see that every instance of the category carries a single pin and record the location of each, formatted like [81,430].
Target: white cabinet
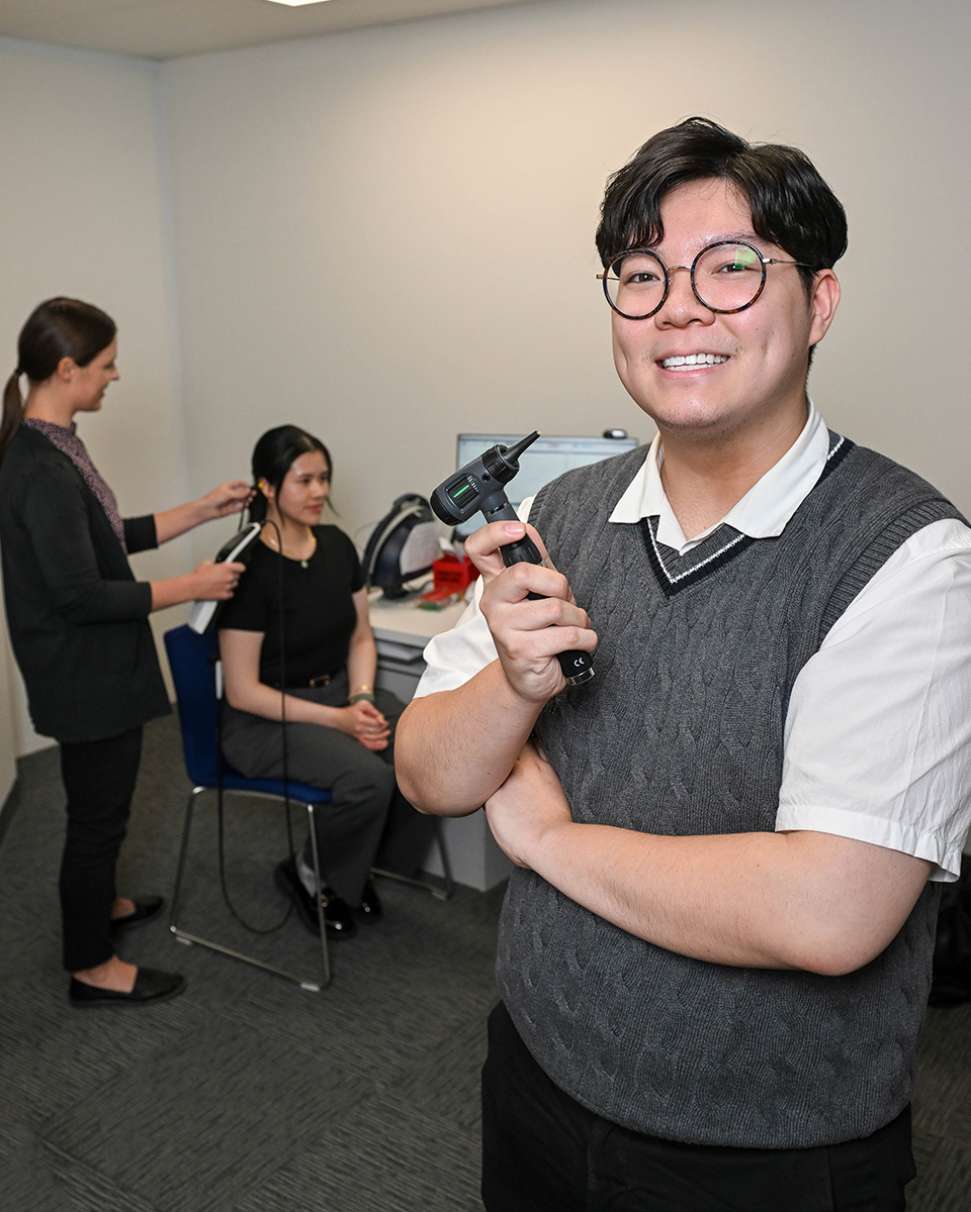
[402,630]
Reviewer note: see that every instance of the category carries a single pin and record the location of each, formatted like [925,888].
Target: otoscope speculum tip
[513,452]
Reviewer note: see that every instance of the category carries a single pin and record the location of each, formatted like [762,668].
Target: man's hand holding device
[530,611]
[540,624]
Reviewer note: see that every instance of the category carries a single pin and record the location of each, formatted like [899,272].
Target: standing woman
[317,672]
[79,627]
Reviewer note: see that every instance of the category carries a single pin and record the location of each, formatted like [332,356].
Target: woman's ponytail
[257,507]
[55,329]
[13,411]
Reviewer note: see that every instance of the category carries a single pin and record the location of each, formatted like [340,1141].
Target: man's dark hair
[791,204]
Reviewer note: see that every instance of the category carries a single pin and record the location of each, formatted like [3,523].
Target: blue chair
[194,663]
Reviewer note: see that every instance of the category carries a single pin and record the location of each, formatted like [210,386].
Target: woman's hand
[365,724]
[225,499]
[528,633]
[228,498]
[215,582]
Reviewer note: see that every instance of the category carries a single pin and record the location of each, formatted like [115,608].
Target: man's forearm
[765,900]
[453,749]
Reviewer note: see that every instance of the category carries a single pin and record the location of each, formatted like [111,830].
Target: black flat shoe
[151,986]
[370,908]
[338,918]
[145,909]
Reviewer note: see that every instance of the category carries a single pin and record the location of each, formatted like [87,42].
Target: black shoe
[151,986]
[145,909]
[338,919]
[370,908]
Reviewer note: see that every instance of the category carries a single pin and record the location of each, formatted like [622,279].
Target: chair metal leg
[183,936]
[446,865]
[183,849]
[439,892]
[319,887]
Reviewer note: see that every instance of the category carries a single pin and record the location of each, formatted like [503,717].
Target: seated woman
[339,729]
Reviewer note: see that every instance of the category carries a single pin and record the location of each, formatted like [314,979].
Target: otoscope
[480,486]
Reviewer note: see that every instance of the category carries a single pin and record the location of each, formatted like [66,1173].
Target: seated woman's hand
[365,724]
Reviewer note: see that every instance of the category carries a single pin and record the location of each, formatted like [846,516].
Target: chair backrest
[192,659]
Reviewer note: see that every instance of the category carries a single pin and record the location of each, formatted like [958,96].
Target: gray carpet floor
[246,1093]
[250,1095]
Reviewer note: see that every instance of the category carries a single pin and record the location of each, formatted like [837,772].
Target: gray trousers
[368,822]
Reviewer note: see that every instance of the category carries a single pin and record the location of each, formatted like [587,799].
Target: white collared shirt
[761,514]
[878,730]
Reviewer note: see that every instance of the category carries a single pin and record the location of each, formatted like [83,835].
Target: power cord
[286,764]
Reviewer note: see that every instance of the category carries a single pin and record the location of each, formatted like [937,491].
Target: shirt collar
[761,514]
[52,428]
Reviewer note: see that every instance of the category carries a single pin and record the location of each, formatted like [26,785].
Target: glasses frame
[764,262]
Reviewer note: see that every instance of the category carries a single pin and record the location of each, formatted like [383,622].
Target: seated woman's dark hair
[55,329]
[273,456]
[791,204]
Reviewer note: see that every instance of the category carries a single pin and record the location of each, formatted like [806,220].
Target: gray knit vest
[681,733]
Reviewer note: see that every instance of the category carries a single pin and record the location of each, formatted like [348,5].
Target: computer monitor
[547,458]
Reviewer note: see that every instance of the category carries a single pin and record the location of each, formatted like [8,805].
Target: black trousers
[368,822]
[99,779]
[543,1152]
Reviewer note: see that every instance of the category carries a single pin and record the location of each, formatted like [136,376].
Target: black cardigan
[78,619]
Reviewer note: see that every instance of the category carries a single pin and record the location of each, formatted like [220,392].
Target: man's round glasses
[726,276]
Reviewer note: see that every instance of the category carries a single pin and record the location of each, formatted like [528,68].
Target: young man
[714,955]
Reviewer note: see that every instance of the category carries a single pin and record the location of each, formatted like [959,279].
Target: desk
[401,630]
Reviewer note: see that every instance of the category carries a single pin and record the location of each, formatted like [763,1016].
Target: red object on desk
[451,576]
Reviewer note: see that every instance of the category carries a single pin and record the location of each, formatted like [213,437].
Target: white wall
[83,202]
[387,235]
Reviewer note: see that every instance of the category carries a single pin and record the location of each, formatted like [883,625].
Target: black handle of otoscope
[478,486]
[577,666]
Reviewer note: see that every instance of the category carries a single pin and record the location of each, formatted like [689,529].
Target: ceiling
[164,29]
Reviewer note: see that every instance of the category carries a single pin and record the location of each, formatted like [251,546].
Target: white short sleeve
[878,732]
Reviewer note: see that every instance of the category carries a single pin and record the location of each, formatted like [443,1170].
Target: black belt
[314,683]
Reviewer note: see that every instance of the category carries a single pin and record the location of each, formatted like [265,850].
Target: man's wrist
[516,698]
[548,843]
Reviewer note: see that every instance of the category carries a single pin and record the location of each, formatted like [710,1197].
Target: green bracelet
[366,695]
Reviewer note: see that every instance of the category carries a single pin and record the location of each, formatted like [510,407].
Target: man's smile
[681,363]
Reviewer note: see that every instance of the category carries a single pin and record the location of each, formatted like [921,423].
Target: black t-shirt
[318,612]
